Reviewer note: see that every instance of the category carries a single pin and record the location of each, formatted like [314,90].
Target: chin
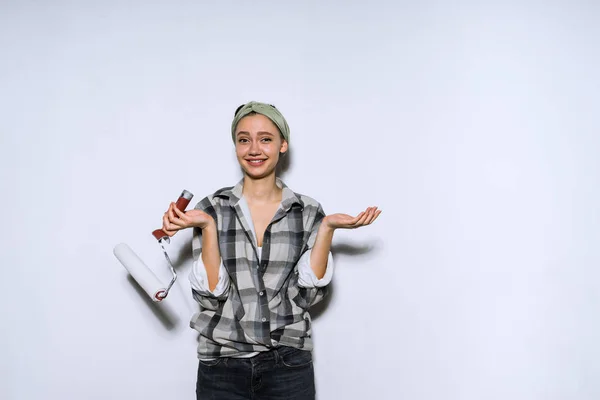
[254,174]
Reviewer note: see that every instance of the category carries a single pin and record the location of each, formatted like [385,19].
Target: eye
[267,139]
[242,140]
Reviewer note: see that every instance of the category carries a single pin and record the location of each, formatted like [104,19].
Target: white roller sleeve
[140,271]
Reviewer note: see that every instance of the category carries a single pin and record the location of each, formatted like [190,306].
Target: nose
[254,148]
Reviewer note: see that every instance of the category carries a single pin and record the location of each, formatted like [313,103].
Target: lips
[256,163]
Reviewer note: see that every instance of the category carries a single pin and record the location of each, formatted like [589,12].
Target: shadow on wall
[184,255]
[285,162]
[340,249]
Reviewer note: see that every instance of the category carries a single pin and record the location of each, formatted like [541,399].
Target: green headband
[264,109]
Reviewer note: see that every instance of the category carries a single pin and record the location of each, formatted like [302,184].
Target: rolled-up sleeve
[198,276]
[199,280]
[306,275]
[315,290]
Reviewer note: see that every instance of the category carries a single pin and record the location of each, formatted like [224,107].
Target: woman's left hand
[345,221]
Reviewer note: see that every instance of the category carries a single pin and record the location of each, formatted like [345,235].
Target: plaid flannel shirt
[264,306]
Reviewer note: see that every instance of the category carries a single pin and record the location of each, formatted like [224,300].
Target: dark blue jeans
[284,373]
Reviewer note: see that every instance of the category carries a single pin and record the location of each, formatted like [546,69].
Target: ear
[284,146]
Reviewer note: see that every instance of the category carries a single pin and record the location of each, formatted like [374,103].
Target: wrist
[210,227]
[325,227]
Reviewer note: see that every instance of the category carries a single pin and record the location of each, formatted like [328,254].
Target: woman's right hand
[175,220]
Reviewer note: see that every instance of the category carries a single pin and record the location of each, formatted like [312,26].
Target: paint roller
[139,271]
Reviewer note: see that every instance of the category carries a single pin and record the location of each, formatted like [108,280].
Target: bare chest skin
[262,215]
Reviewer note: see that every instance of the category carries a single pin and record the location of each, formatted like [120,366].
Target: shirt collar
[288,197]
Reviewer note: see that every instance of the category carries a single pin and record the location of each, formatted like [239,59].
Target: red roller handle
[181,203]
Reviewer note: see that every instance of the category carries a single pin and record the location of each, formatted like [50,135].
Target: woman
[261,259]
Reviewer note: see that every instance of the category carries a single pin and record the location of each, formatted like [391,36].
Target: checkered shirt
[264,306]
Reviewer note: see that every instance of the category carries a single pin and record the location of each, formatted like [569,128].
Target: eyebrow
[258,133]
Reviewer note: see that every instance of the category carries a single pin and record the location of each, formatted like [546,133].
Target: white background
[474,126]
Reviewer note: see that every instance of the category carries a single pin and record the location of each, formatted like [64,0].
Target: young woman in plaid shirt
[261,259]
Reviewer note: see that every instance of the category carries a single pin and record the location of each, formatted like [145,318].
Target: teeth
[256,161]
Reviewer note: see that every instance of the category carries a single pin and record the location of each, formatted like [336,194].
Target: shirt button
[262,293]
[264,319]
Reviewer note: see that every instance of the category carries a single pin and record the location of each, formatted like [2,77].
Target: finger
[171,213]
[362,219]
[174,219]
[376,215]
[166,219]
[169,225]
[358,218]
[369,216]
[370,213]
[178,212]
[372,216]
[353,221]
[181,220]
[169,233]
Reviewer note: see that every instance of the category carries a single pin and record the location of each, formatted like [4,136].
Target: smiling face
[257,145]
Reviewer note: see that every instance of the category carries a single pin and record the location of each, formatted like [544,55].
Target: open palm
[345,221]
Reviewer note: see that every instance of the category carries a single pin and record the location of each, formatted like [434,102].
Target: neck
[263,190]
